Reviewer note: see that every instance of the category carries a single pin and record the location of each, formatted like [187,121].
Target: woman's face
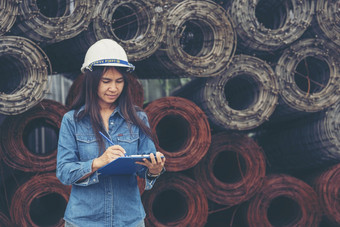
[110,87]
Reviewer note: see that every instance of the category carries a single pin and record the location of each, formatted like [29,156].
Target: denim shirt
[101,200]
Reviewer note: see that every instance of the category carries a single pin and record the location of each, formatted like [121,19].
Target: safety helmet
[106,52]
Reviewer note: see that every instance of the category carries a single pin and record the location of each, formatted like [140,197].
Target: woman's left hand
[156,164]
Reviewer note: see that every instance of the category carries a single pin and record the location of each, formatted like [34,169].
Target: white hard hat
[106,52]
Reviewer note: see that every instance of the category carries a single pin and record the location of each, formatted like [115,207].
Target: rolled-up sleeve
[69,167]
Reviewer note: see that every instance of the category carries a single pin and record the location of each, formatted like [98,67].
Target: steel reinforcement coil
[284,201]
[52,21]
[200,40]
[40,201]
[138,25]
[241,98]
[5,221]
[327,186]
[309,76]
[328,19]
[17,131]
[305,143]
[233,169]
[24,68]
[8,15]
[136,90]
[175,200]
[182,130]
[267,25]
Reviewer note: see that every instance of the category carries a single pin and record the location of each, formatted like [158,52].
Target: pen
[108,140]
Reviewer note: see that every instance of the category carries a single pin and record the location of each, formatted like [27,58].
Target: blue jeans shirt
[101,200]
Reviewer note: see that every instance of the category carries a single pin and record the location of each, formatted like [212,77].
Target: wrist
[151,175]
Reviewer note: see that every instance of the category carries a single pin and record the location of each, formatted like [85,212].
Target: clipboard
[124,165]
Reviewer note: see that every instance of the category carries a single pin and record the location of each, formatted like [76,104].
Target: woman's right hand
[108,156]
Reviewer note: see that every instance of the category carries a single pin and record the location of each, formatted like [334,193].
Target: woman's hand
[108,156]
[155,165]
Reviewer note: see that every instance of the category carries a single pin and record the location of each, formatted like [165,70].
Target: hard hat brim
[110,62]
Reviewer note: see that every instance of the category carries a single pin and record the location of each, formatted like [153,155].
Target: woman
[105,105]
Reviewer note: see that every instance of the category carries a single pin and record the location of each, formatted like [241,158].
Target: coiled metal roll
[309,76]
[182,130]
[308,142]
[328,19]
[327,187]
[175,200]
[40,201]
[53,21]
[241,98]
[23,146]
[24,68]
[8,14]
[267,25]
[233,169]
[200,39]
[284,201]
[138,25]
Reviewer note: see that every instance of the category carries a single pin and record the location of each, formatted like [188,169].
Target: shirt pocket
[129,142]
[87,146]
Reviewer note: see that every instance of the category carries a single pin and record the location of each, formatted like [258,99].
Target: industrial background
[243,96]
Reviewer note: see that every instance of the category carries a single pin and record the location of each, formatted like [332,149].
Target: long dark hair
[88,96]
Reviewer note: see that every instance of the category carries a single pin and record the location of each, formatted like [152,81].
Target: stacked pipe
[40,201]
[182,131]
[8,15]
[241,98]
[17,131]
[24,68]
[52,21]
[176,200]
[306,143]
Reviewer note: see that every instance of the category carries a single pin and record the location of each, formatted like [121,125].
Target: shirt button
[94,180]
[111,123]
